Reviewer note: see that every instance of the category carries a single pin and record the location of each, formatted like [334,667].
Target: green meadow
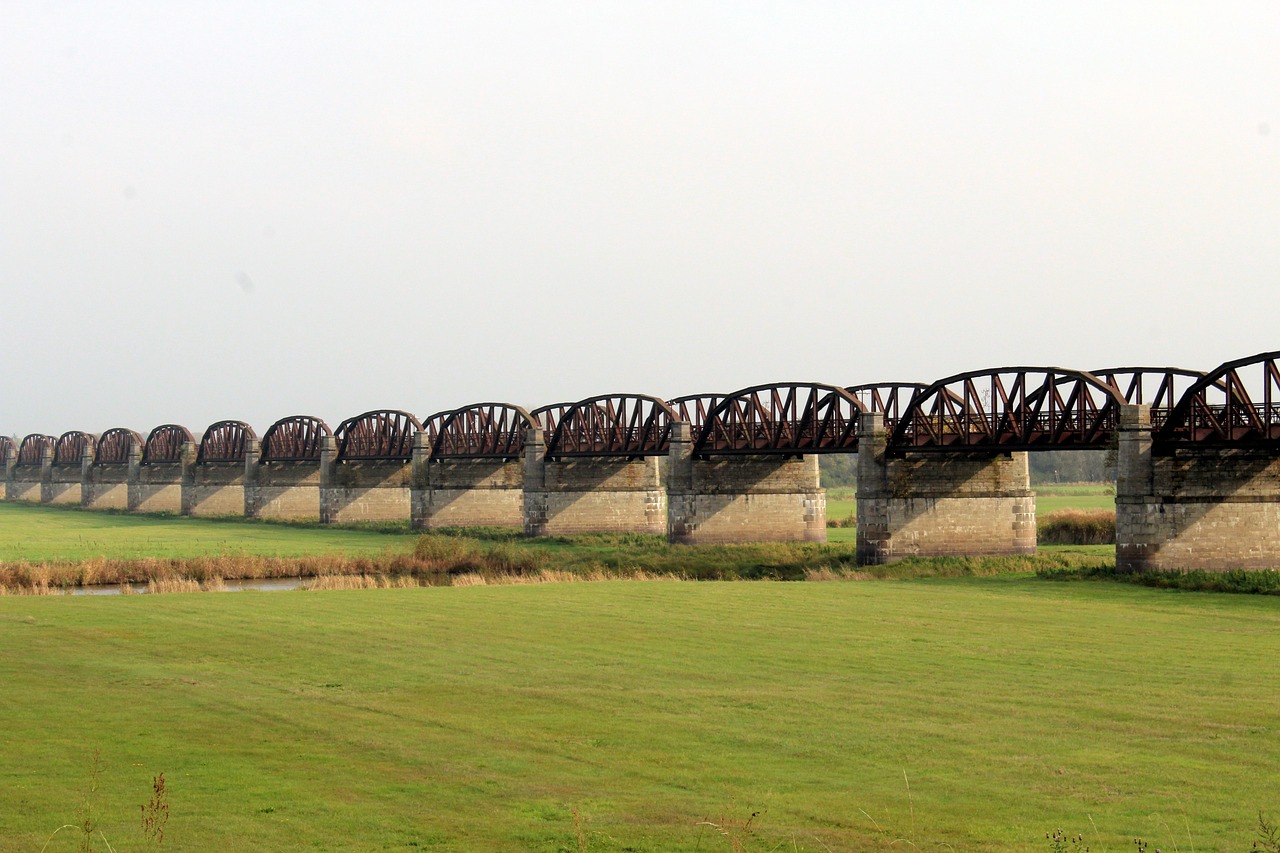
[33,532]
[1049,498]
[969,714]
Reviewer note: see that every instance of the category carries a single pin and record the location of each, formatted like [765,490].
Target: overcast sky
[250,210]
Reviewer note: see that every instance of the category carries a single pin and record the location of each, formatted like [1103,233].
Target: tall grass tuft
[1077,527]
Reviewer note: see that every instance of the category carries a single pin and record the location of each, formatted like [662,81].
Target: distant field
[49,533]
[973,714]
[1049,498]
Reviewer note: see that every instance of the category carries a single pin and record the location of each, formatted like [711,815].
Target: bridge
[942,466]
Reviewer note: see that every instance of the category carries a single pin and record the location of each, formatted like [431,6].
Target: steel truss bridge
[999,410]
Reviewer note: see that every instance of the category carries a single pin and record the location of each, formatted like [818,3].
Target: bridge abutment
[940,504]
[743,498]
[1186,507]
[591,494]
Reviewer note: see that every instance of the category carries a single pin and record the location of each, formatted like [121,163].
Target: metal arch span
[694,408]
[1157,387]
[482,431]
[782,418]
[1011,408]
[887,398]
[1236,404]
[431,425]
[613,425]
[383,434]
[549,417]
[70,447]
[6,445]
[297,438]
[164,444]
[32,448]
[113,446]
[225,441]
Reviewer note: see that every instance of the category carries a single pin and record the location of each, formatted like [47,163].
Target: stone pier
[362,489]
[286,490]
[742,498]
[107,485]
[220,488]
[158,486]
[27,481]
[591,494]
[65,483]
[467,492]
[1187,507]
[954,503]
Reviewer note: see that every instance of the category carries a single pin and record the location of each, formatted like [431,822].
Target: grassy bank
[43,533]
[968,714]
[1050,498]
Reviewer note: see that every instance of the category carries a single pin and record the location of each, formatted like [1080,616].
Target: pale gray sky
[250,210]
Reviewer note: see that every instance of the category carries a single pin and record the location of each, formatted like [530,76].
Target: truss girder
[1235,405]
[383,435]
[1011,408]
[785,418]
[481,431]
[629,425]
[164,444]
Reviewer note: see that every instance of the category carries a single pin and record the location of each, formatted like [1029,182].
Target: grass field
[1049,498]
[32,532]
[973,714]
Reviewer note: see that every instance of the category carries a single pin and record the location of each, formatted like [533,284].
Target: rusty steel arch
[887,398]
[32,448]
[164,444]
[383,434]
[7,445]
[225,441]
[113,446]
[783,418]
[549,417]
[1007,409]
[1157,387]
[297,438]
[613,425]
[483,431]
[70,447]
[694,408]
[1221,409]
[431,425]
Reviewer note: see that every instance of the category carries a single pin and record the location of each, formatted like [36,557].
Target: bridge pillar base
[1211,509]
[742,498]
[586,494]
[950,504]
[470,493]
[284,490]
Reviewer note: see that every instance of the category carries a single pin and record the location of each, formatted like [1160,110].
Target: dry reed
[1077,527]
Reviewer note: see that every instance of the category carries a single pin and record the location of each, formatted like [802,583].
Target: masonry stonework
[285,490]
[931,505]
[158,487]
[591,494]
[742,498]
[469,493]
[362,490]
[1212,509]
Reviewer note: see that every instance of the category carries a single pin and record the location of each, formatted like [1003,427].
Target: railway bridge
[942,466]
